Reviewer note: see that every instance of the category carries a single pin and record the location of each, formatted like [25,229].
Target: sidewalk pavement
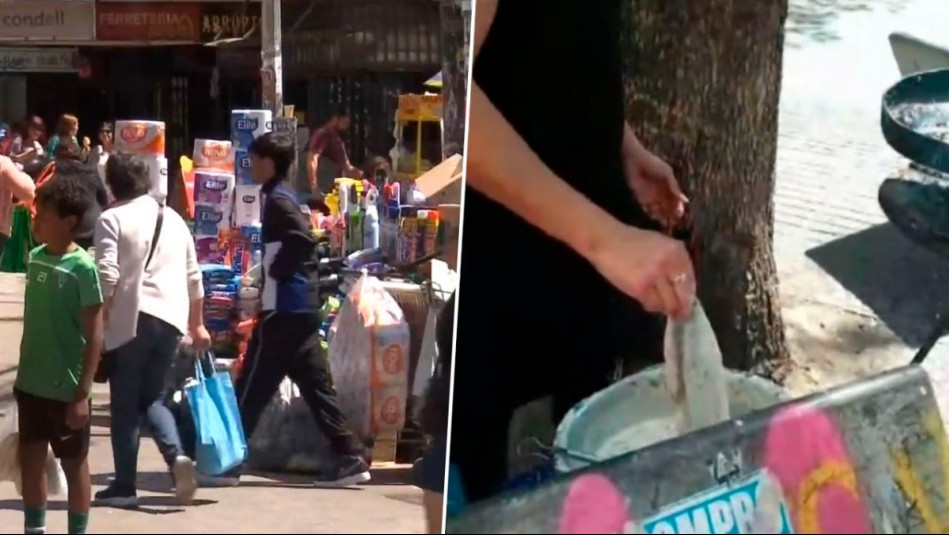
[281,504]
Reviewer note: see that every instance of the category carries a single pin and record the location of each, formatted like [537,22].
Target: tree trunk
[455,21]
[702,86]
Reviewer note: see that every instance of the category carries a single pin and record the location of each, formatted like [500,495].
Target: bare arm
[19,182]
[93,327]
[503,167]
[313,168]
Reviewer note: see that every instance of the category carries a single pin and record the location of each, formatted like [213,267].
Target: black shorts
[44,420]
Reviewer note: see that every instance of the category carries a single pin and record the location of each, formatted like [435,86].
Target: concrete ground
[857,297]
[275,504]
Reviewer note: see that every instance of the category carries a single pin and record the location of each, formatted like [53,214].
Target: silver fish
[694,373]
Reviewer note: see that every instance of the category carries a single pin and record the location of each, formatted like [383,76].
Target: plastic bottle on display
[344,207]
[397,192]
[370,223]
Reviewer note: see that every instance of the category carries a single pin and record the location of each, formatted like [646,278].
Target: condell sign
[47,21]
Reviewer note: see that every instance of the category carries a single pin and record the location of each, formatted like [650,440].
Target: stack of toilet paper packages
[146,139]
[247,125]
[213,193]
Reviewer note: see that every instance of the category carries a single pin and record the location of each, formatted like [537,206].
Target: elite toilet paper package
[247,125]
[246,206]
[213,188]
[213,154]
[242,173]
[211,220]
[140,137]
[157,176]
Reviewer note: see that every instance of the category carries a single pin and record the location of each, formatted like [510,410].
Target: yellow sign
[420,107]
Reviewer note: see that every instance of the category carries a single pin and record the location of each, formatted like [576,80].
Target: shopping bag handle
[204,356]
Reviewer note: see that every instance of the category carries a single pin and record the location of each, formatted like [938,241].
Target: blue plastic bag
[220,442]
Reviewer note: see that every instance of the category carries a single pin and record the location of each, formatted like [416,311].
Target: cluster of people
[123,311]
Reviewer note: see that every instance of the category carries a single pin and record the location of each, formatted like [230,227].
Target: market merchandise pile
[146,139]
[385,215]
[221,289]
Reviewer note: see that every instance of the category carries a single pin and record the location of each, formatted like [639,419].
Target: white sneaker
[186,481]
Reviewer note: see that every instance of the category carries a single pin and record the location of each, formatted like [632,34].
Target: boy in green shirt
[59,352]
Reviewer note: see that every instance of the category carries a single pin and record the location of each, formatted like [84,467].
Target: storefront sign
[231,20]
[147,21]
[47,21]
[38,60]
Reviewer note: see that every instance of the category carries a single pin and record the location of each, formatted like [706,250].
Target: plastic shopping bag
[287,438]
[369,355]
[10,462]
[220,435]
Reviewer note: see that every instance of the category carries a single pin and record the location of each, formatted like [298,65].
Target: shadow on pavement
[901,282]
[150,505]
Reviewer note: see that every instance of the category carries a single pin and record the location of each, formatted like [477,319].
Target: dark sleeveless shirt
[554,70]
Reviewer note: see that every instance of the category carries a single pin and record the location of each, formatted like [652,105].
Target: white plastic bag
[368,354]
[10,463]
[695,375]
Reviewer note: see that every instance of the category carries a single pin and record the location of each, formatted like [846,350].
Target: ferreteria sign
[229,20]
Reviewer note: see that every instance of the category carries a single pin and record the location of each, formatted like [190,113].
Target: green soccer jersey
[53,345]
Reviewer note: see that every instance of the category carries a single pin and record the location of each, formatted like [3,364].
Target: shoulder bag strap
[158,223]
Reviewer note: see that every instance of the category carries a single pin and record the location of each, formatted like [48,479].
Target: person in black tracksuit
[286,341]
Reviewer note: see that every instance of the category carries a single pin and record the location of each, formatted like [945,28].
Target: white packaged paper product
[140,137]
[370,329]
[208,249]
[211,220]
[213,188]
[157,176]
[242,168]
[213,154]
[246,206]
[247,125]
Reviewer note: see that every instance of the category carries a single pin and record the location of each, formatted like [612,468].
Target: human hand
[200,337]
[652,268]
[77,414]
[655,187]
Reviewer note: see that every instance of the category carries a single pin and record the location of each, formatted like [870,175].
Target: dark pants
[288,345]
[137,384]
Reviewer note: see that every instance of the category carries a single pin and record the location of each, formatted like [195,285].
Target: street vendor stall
[418,135]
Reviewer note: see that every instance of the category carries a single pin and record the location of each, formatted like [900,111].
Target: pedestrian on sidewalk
[286,340]
[326,144]
[153,295]
[59,353]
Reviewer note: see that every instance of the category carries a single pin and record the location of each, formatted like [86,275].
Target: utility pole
[271,69]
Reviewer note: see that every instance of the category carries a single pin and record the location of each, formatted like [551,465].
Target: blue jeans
[137,386]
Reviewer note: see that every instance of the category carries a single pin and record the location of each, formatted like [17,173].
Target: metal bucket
[638,412]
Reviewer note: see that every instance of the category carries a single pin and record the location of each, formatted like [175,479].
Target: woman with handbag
[153,294]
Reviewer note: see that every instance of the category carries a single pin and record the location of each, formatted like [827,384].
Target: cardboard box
[442,184]
[450,219]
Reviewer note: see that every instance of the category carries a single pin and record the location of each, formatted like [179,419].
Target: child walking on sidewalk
[62,341]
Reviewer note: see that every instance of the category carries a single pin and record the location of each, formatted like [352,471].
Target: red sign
[147,21]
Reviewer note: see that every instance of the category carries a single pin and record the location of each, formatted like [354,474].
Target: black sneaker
[114,496]
[350,472]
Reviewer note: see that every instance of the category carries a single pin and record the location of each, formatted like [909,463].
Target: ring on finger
[680,278]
